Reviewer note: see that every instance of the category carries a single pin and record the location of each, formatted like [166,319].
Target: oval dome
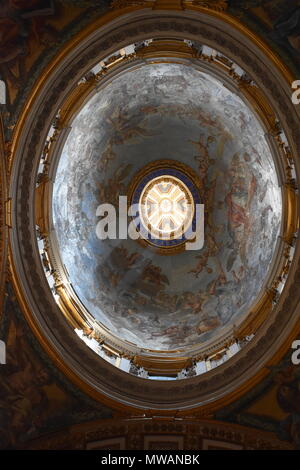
[168,112]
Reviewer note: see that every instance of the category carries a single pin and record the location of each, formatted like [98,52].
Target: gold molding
[258,314]
[259,103]
[291,210]
[133,430]
[48,347]
[168,5]
[215,5]
[179,49]
[5,216]
[156,165]
[202,410]
[42,206]
[163,366]
[74,101]
[170,47]
[121,4]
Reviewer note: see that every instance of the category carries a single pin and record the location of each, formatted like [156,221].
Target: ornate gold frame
[255,97]
[260,105]
[156,165]
[290,199]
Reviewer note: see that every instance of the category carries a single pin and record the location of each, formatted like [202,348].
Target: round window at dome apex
[166,207]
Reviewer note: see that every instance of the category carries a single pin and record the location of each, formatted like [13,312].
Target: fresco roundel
[186,115]
[165,199]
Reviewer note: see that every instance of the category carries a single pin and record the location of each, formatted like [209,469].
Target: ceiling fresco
[168,111]
[278,20]
[32,32]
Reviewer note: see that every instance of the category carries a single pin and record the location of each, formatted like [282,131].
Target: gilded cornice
[5,212]
[158,50]
[215,5]
[97,378]
[193,433]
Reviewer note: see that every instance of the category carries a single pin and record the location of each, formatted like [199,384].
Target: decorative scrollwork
[217,5]
[119,4]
